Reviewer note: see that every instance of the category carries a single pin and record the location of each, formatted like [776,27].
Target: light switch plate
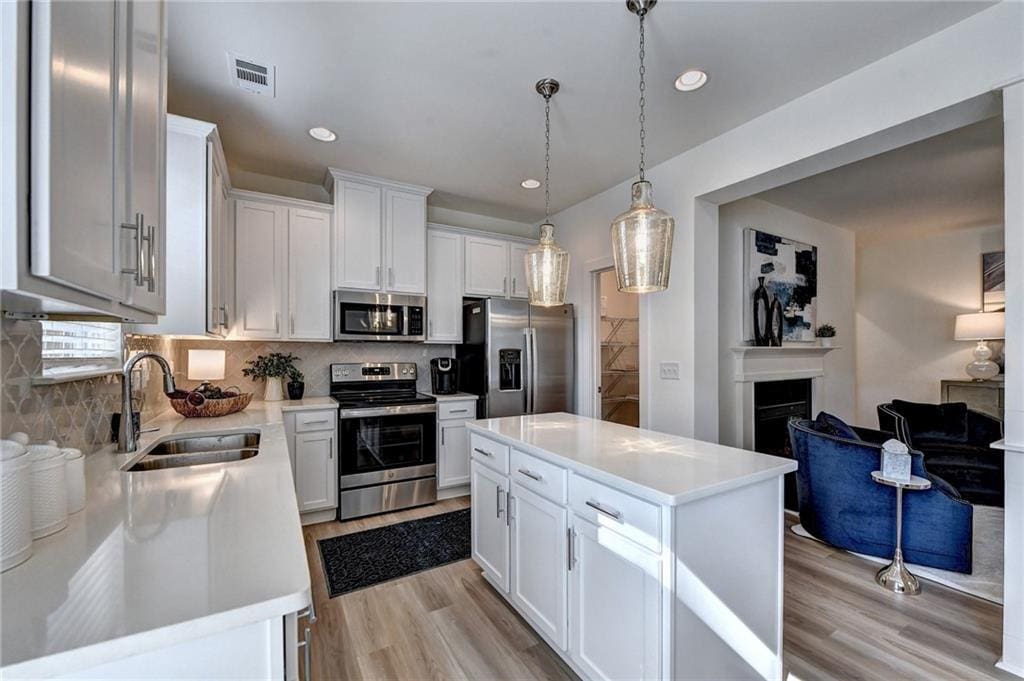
[669,371]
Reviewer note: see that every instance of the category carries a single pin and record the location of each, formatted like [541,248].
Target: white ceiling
[442,94]
[950,181]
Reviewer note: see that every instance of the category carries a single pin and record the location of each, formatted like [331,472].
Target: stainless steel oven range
[386,439]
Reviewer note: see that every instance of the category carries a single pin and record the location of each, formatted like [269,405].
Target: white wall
[459,218]
[836,253]
[843,121]
[909,290]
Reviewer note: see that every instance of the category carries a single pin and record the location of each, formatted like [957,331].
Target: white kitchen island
[635,554]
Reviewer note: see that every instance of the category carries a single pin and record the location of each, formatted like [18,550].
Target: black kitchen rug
[362,559]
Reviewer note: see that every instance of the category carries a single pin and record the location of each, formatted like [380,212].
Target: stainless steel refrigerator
[520,359]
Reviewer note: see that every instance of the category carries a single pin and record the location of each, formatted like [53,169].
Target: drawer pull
[482,451]
[531,475]
[459,411]
[600,508]
[319,421]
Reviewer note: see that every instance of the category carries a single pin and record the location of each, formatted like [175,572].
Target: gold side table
[895,576]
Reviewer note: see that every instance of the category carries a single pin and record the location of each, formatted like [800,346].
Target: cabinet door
[452,454]
[539,562]
[405,240]
[486,266]
[357,243]
[147,133]
[261,249]
[490,532]
[215,244]
[444,287]
[614,606]
[309,275]
[316,485]
[75,230]
[519,288]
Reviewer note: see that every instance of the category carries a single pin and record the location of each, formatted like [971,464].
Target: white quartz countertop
[665,469]
[164,556]
[453,397]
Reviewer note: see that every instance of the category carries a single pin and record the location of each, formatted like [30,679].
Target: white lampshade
[980,326]
[205,365]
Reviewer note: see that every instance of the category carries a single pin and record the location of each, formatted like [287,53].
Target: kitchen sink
[199,450]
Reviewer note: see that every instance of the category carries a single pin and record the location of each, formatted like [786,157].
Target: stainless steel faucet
[127,438]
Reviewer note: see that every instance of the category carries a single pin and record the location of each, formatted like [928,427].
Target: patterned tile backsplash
[77,413]
[315,360]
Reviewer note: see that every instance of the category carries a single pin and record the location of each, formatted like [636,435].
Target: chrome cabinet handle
[458,411]
[442,436]
[277,322]
[482,451]
[530,474]
[504,285]
[391,277]
[508,508]
[291,324]
[306,646]
[377,276]
[137,228]
[570,549]
[430,328]
[513,286]
[151,278]
[224,316]
[497,501]
[319,421]
[606,510]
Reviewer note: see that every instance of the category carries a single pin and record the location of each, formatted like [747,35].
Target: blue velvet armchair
[841,505]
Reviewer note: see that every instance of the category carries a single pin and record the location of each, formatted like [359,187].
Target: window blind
[73,347]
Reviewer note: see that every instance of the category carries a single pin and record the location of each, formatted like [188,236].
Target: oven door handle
[393,410]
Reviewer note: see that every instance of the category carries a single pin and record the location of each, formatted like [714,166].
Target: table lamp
[206,366]
[981,327]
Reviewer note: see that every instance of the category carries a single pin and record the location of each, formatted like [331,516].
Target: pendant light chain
[643,100]
[547,157]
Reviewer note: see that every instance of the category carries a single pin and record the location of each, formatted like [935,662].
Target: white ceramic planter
[826,342]
[49,490]
[272,391]
[16,514]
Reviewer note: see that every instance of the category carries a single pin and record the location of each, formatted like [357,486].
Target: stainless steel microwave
[379,317]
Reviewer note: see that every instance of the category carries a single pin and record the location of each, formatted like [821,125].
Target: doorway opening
[619,379]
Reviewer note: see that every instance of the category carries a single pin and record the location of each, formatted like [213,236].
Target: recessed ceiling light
[322,134]
[529,184]
[691,80]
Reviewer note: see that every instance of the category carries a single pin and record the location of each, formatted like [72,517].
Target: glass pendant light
[547,263]
[642,236]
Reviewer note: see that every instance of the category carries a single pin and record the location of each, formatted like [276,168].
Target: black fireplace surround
[775,404]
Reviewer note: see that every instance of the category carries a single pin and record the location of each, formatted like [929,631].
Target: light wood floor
[447,623]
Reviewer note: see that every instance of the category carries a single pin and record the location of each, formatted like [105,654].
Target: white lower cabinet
[313,445]
[453,445]
[539,562]
[615,621]
[490,535]
[579,580]
[316,485]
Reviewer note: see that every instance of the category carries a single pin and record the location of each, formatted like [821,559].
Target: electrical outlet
[669,371]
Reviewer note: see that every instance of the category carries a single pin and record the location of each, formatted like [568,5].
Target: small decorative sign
[895,461]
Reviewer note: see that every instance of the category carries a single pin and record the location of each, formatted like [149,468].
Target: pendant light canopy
[547,263]
[642,236]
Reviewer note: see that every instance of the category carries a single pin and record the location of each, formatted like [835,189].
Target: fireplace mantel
[758,363]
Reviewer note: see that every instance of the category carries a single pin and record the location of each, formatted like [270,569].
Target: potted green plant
[825,334]
[296,386]
[271,369]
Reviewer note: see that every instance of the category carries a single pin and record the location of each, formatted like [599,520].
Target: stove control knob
[405,371]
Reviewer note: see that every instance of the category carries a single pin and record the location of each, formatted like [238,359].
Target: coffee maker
[444,376]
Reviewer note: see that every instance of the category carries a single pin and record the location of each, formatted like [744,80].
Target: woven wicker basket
[211,407]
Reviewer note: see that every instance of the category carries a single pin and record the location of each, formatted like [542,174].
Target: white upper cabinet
[89,105]
[283,268]
[75,232]
[444,287]
[518,288]
[357,248]
[198,245]
[486,266]
[261,256]
[146,135]
[380,233]
[405,236]
[309,274]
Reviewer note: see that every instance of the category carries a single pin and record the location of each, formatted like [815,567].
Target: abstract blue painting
[790,271]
